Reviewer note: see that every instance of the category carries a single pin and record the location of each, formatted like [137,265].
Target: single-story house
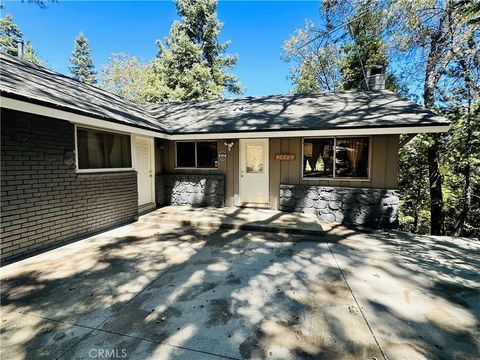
[77,159]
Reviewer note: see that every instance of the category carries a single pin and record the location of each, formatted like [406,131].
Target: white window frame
[101,170]
[196,165]
[334,177]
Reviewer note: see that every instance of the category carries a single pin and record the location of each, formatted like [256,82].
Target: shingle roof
[346,109]
[29,82]
[339,110]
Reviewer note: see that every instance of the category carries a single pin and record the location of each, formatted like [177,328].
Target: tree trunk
[436,197]
[467,189]
[434,175]
[418,205]
[437,60]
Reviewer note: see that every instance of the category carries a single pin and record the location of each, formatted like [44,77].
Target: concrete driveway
[148,292]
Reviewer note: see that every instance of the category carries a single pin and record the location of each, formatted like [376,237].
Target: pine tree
[30,54]
[191,63]
[10,35]
[82,67]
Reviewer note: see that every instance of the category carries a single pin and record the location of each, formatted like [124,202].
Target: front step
[238,219]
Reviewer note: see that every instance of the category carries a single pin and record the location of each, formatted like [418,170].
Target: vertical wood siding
[383,167]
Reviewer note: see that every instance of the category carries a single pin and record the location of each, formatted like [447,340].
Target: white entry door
[144,167]
[253,184]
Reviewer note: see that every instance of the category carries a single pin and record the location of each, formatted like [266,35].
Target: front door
[144,167]
[253,184]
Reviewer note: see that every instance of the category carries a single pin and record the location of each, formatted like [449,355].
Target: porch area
[243,218]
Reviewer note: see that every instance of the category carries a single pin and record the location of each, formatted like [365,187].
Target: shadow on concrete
[245,295]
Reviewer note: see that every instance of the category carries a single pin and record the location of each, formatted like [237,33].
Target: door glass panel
[254,159]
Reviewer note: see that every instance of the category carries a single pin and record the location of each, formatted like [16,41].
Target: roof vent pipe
[21,49]
[375,78]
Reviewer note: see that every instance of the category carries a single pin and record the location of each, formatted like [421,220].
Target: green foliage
[191,64]
[10,35]
[414,215]
[365,51]
[304,77]
[336,56]
[366,48]
[461,169]
[434,46]
[30,54]
[129,78]
[317,64]
[82,67]
[457,95]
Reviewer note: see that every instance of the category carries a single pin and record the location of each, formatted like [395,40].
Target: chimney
[375,78]
[21,49]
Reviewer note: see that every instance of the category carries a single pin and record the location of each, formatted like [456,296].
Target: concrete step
[245,219]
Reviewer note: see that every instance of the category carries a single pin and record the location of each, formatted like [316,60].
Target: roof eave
[38,107]
[21,103]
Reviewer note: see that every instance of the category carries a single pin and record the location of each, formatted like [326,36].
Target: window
[318,158]
[207,156]
[197,154]
[185,154]
[103,150]
[351,157]
[336,157]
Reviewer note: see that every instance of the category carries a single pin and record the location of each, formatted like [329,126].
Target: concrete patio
[163,290]
[248,219]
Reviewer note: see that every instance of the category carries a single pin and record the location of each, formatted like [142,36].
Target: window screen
[103,150]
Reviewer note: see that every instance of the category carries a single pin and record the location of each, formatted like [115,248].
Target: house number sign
[284,157]
[222,156]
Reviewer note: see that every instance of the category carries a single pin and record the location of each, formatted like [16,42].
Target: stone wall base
[191,190]
[377,208]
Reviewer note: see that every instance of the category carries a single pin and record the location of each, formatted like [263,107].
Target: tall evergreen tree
[191,63]
[10,35]
[82,67]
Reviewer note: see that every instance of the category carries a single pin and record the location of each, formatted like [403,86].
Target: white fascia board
[313,133]
[24,106]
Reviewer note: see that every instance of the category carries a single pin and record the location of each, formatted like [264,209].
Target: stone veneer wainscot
[358,206]
[191,190]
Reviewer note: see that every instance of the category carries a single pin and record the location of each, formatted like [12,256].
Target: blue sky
[256,29]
